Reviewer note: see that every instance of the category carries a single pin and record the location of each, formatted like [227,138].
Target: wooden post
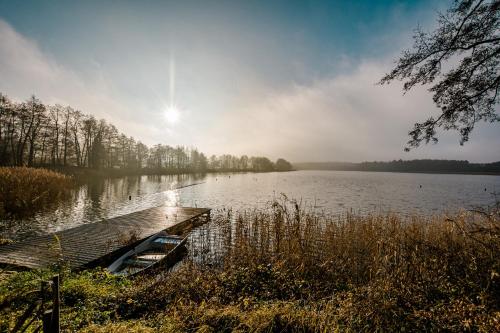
[56,302]
[47,321]
[43,292]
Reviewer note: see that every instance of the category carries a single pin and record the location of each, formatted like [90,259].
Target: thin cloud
[26,70]
[344,118]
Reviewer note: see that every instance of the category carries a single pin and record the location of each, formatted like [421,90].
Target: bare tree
[40,135]
[37,110]
[67,117]
[468,34]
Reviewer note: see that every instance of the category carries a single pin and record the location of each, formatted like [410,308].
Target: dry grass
[24,191]
[284,269]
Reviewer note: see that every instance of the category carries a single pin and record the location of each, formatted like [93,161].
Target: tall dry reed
[24,191]
[359,273]
[286,269]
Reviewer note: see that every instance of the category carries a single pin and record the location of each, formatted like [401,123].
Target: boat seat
[127,270]
[151,256]
[138,262]
[155,251]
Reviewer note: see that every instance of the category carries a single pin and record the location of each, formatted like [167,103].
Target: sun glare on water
[172,114]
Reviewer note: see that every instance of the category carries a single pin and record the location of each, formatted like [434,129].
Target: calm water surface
[327,191]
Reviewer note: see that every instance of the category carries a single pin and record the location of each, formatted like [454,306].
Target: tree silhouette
[467,35]
[283,165]
[38,135]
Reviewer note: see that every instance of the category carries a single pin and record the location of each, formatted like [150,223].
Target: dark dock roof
[88,244]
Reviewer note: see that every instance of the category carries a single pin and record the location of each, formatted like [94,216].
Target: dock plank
[88,243]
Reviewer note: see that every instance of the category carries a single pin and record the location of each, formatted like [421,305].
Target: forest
[37,135]
[423,165]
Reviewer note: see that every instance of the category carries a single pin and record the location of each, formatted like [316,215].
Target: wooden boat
[159,249]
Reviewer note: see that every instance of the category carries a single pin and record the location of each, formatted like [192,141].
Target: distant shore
[412,166]
[420,172]
[81,173]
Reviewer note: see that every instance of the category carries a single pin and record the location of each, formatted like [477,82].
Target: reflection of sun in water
[172,114]
[172,198]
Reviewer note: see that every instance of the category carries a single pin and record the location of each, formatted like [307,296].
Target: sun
[172,114]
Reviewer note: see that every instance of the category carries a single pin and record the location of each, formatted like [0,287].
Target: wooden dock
[92,244]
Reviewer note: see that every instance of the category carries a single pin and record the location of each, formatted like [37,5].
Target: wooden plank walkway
[89,244]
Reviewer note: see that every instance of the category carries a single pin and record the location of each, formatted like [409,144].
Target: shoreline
[480,173]
[83,173]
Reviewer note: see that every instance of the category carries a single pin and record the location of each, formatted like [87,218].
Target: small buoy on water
[485,189]
[130,197]
[420,186]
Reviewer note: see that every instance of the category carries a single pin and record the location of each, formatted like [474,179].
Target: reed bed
[287,269]
[23,191]
[305,271]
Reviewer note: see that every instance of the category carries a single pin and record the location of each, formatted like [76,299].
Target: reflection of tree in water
[95,191]
[199,176]
[189,179]
[131,187]
[172,182]
[154,178]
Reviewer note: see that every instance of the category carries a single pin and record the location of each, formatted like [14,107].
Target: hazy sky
[293,79]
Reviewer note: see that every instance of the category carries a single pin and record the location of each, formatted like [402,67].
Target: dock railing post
[56,304]
[47,321]
[50,318]
[44,286]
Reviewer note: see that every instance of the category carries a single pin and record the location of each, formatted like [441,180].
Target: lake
[325,191]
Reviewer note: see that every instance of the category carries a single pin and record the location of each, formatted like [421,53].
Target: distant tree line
[424,165]
[37,135]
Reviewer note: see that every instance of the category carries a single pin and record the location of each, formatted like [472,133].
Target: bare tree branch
[468,93]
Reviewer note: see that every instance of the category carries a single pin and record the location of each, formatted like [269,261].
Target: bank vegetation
[286,269]
[24,191]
